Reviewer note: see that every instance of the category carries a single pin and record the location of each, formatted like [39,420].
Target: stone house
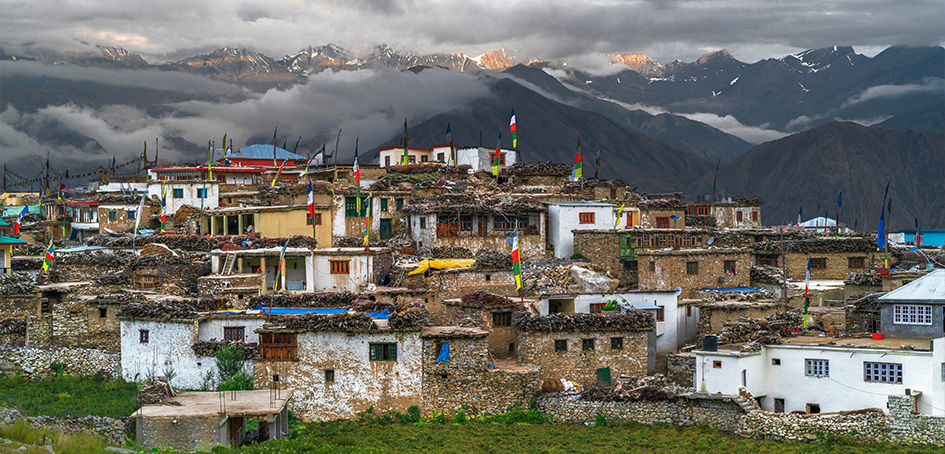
[455,282]
[458,373]
[736,212]
[270,222]
[551,177]
[818,375]
[121,216]
[462,220]
[662,214]
[200,194]
[306,270]
[713,314]
[489,312]
[692,269]
[83,219]
[831,259]
[387,218]
[564,218]
[915,310]
[587,348]
[393,156]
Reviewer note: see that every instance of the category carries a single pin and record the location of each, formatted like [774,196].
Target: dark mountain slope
[810,168]
[930,117]
[548,131]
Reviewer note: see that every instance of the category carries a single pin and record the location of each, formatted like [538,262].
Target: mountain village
[462,279]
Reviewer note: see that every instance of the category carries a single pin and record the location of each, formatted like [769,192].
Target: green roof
[8,241]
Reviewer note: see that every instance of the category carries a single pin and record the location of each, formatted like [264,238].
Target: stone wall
[12,331]
[80,361]
[603,250]
[449,284]
[465,382]
[648,218]
[74,324]
[712,317]
[192,433]
[838,264]
[111,429]
[681,369]
[868,425]
[538,348]
[19,306]
[670,269]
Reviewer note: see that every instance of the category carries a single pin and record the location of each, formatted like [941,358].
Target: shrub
[577,256]
[229,361]
[600,421]
[57,367]
[461,418]
[239,382]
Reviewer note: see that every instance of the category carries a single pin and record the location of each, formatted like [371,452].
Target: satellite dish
[678,291]
[371,287]
[675,217]
[711,240]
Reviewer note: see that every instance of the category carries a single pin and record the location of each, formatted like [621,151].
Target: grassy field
[511,435]
[69,395]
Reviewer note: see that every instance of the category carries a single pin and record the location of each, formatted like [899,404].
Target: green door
[385,229]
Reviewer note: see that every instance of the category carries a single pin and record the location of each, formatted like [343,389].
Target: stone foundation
[681,369]
[79,361]
[112,430]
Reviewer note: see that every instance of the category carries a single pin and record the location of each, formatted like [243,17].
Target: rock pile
[168,309]
[483,299]
[311,300]
[449,252]
[768,330]
[547,276]
[621,321]
[490,259]
[408,317]
[347,322]
[16,283]
[210,348]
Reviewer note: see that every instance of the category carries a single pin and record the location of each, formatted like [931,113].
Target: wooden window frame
[384,204]
[616,343]
[662,222]
[587,345]
[660,314]
[318,219]
[177,193]
[339,266]
[818,263]
[382,351]
[754,216]
[144,336]
[230,333]
[739,216]
[586,218]
[278,347]
[730,266]
[716,364]
[855,263]
[503,318]
[561,345]
[692,268]
[596,308]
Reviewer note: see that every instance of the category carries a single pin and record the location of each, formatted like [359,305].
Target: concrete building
[915,310]
[201,194]
[480,158]
[564,218]
[270,222]
[84,219]
[820,375]
[393,156]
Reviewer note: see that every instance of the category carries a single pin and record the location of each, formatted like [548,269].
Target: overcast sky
[550,29]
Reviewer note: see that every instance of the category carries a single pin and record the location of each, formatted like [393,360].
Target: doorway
[386,229]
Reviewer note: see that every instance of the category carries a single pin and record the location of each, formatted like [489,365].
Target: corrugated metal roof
[930,287]
[260,151]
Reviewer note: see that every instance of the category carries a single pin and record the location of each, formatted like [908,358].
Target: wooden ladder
[228,265]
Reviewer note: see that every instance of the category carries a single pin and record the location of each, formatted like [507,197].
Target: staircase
[747,404]
[228,265]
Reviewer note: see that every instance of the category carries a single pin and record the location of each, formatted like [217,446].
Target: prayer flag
[311,203]
[19,220]
[449,138]
[578,163]
[619,215]
[881,231]
[405,142]
[799,212]
[807,278]
[495,156]
[514,129]
[49,257]
[210,159]
[140,213]
[367,222]
[516,265]
[275,285]
[274,163]
[357,176]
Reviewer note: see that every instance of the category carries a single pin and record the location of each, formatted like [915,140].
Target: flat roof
[210,403]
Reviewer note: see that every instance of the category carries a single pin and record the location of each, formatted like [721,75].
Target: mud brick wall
[466,382]
[838,264]
[538,348]
[681,368]
[603,250]
[670,270]
[186,434]
[712,318]
[235,289]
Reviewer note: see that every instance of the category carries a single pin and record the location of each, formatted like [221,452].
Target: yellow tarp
[440,264]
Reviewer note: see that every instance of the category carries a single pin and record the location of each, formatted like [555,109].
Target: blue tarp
[299,311]
[380,315]
[734,289]
[81,249]
[444,352]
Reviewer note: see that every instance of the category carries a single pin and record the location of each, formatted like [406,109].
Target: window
[688,311]
[692,267]
[144,336]
[778,405]
[201,193]
[102,312]
[662,222]
[177,193]
[587,344]
[399,204]
[411,160]
[730,266]
[465,223]
[630,219]
[738,216]
[597,308]
[440,157]
[423,222]
[386,351]
[912,314]
[616,343]
[501,319]
[817,368]
[561,345]
[818,264]
[386,161]
[329,375]
[424,158]
[318,219]
[338,266]
[768,259]
[502,159]
[882,372]
[384,204]
[112,215]
[813,409]
[856,262]
[754,216]
[351,208]
[131,214]
[278,347]
[660,314]
[775,361]
[716,364]
[586,218]
[234,333]
[653,266]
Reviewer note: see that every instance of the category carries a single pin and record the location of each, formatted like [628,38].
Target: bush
[600,421]
[577,256]
[57,368]
[461,418]
[239,382]
[229,361]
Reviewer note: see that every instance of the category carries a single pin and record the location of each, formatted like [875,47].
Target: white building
[480,158]
[394,156]
[819,375]
[165,347]
[196,193]
[564,218]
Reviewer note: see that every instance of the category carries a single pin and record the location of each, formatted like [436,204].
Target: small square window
[234,333]
[339,266]
[616,343]
[688,311]
[144,336]
[586,218]
[738,216]
[818,264]
[730,266]
[660,314]
[587,344]
[112,215]
[653,267]
[856,262]
[501,319]
[817,368]
[201,193]
[383,204]
[561,345]
[383,351]
[102,312]
[177,193]
[399,204]
[778,405]
[813,409]
[754,216]
[775,361]
[131,214]
[597,308]
[318,219]
[329,375]
[716,364]
[692,267]
[423,222]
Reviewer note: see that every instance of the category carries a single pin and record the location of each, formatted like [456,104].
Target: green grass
[69,395]
[63,443]
[475,437]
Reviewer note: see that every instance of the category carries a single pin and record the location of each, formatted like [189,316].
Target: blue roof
[6,240]
[734,289]
[260,151]
[15,210]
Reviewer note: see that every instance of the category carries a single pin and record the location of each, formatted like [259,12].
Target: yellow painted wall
[283,224]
